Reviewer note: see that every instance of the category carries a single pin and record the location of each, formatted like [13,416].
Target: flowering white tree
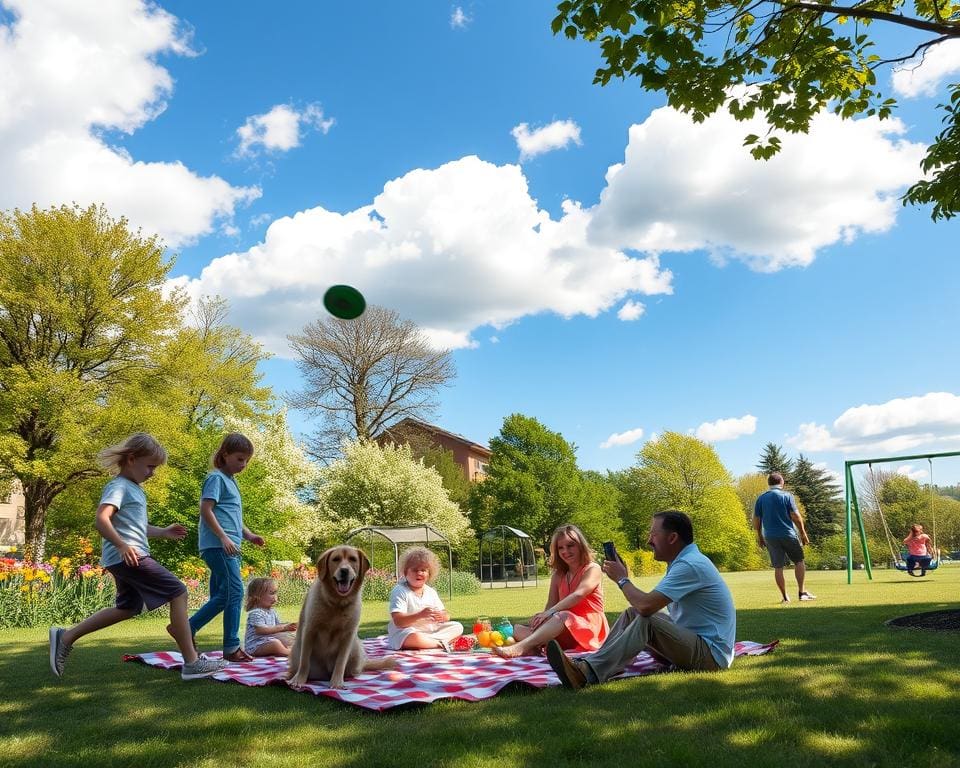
[385,486]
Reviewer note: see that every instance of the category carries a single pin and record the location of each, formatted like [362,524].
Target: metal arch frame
[853,507]
[489,542]
[427,530]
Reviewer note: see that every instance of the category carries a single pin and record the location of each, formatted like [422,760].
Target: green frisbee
[344,302]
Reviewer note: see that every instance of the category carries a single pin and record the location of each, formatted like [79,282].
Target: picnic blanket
[421,677]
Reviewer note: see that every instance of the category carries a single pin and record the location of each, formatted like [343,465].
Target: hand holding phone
[610,552]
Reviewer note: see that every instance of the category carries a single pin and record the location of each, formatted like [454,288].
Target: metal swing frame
[853,507]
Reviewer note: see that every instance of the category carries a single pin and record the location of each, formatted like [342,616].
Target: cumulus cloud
[451,248]
[924,78]
[622,438]
[726,429]
[281,129]
[631,310]
[74,71]
[459,18]
[685,186]
[914,473]
[898,425]
[556,135]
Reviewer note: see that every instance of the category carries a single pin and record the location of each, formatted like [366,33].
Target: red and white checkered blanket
[420,677]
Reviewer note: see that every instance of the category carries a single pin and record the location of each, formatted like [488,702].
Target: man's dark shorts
[784,551]
[148,584]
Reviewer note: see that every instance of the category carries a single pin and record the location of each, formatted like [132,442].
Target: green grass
[842,689]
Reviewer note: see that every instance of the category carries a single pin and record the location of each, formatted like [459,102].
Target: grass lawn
[842,689]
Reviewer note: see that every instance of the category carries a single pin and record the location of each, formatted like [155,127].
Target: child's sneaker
[202,667]
[59,650]
[807,596]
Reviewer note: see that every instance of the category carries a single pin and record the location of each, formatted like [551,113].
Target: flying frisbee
[344,302]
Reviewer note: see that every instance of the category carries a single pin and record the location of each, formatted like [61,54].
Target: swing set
[853,509]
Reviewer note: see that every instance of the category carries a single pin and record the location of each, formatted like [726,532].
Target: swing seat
[901,565]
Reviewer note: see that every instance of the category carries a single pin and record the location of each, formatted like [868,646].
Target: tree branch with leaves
[786,61]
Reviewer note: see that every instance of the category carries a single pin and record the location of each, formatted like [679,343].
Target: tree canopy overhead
[784,60]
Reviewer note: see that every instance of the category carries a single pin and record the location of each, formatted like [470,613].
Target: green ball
[344,302]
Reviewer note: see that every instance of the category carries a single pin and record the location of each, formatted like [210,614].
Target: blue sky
[593,258]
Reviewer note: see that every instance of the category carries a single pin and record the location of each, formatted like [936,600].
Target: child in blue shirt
[141,581]
[221,533]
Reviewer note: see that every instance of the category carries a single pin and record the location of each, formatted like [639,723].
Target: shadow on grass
[841,689]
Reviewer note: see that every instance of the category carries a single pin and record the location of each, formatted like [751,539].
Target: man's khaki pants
[634,633]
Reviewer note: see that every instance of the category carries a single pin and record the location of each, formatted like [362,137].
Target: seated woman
[919,550]
[418,620]
[574,611]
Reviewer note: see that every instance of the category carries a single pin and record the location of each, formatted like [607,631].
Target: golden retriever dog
[327,646]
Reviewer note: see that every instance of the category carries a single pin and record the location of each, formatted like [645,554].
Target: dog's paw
[390,662]
[297,681]
[337,684]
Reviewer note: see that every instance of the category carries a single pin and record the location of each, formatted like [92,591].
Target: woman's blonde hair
[916,530]
[571,532]
[416,556]
[231,443]
[257,588]
[136,446]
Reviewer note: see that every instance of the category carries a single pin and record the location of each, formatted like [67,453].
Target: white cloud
[622,438]
[898,425]
[908,470]
[685,186]
[281,129]
[924,78]
[556,135]
[72,71]
[834,475]
[726,429]
[459,18]
[451,248]
[631,310]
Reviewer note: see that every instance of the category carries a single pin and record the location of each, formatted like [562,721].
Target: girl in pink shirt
[919,550]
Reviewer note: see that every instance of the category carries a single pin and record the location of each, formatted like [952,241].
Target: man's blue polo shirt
[702,602]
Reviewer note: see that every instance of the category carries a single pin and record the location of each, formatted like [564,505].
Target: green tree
[773,459]
[748,488]
[681,472]
[597,511]
[451,473]
[820,496]
[93,349]
[386,486]
[793,59]
[634,514]
[533,483]
[81,310]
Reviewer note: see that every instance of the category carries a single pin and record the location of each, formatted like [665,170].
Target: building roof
[477,447]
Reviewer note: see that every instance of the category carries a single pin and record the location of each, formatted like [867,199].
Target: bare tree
[365,374]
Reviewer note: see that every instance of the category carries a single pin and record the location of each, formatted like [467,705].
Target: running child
[141,581]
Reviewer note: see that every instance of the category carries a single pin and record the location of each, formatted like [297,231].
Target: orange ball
[484,639]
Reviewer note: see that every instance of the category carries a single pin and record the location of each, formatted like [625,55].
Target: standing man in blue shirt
[698,633]
[774,517]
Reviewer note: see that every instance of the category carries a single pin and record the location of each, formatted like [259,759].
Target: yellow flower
[54,560]
[25,588]
[28,574]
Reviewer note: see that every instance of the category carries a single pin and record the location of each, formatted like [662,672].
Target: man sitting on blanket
[699,632]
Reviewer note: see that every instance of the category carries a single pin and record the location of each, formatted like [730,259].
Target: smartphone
[610,552]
